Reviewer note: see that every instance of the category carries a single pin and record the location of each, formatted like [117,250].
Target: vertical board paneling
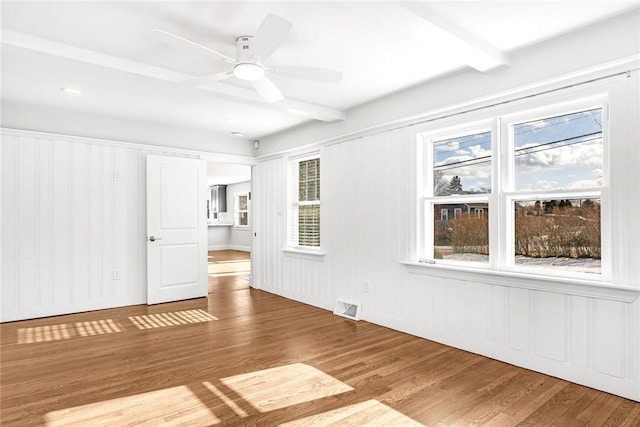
[608,345]
[27,291]
[107,185]
[9,224]
[85,219]
[44,205]
[339,200]
[97,212]
[67,225]
[550,314]
[60,222]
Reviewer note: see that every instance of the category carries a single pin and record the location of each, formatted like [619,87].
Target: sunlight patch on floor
[161,320]
[284,386]
[234,398]
[65,331]
[229,268]
[171,406]
[370,412]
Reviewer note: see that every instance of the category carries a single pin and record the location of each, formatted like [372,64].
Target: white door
[176,229]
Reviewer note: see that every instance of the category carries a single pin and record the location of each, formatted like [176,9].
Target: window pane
[558,234]
[465,237]
[462,165]
[309,225]
[242,203]
[309,180]
[562,152]
[243,219]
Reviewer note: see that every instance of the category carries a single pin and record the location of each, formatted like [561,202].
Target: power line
[581,115]
[517,152]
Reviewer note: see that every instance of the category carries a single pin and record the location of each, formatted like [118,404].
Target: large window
[304,219]
[525,190]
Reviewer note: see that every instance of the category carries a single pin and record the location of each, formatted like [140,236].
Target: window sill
[240,227]
[308,254]
[570,286]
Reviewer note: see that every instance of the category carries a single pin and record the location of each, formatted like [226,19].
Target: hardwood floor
[247,357]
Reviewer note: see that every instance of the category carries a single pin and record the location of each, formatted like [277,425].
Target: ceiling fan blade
[308,73]
[181,42]
[267,90]
[270,34]
[208,79]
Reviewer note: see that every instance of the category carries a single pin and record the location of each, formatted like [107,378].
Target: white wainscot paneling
[519,319]
[550,314]
[578,336]
[304,279]
[454,303]
[498,319]
[421,296]
[609,333]
[476,310]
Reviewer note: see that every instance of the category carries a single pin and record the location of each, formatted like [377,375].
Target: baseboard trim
[229,247]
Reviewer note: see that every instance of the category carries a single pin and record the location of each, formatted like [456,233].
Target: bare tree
[440,184]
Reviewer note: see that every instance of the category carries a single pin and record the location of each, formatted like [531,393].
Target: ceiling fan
[251,51]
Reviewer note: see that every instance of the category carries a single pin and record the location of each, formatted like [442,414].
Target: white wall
[66,224]
[218,237]
[586,334]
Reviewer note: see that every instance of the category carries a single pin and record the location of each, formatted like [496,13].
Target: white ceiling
[107,50]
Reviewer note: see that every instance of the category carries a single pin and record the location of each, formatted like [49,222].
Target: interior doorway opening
[229,225]
[228,270]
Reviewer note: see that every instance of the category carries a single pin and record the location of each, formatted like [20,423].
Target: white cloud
[561,157]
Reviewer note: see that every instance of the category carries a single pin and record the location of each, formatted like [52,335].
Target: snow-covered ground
[580,265]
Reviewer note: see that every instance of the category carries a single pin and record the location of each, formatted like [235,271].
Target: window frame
[294,203]
[238,211]
[429,199]
[501,212]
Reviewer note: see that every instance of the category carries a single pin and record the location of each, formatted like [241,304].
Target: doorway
[228,226]
[228,270]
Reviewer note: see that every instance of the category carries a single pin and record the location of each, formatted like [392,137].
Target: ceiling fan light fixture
[248,71]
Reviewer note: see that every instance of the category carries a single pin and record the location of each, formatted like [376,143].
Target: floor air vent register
[349,309]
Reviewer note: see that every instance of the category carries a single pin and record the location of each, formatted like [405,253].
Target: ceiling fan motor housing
[245,51]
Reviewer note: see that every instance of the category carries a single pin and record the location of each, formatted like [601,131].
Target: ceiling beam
[62,50]
[481,56]
[411,19]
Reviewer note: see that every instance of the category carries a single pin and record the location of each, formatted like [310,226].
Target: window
[459,171]
[242,210]
[526,191]
[304,220]
[558,163]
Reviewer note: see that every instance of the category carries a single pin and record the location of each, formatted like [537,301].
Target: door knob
[154,238]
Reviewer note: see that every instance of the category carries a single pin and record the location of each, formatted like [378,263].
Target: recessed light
[71,90]
[238,134]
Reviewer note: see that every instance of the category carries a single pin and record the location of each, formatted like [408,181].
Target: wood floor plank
[244,357]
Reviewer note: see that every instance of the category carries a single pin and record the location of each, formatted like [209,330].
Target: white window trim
[501,245]
[236,202]
[308,252]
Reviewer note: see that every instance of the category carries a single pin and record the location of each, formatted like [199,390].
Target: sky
[557,153]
